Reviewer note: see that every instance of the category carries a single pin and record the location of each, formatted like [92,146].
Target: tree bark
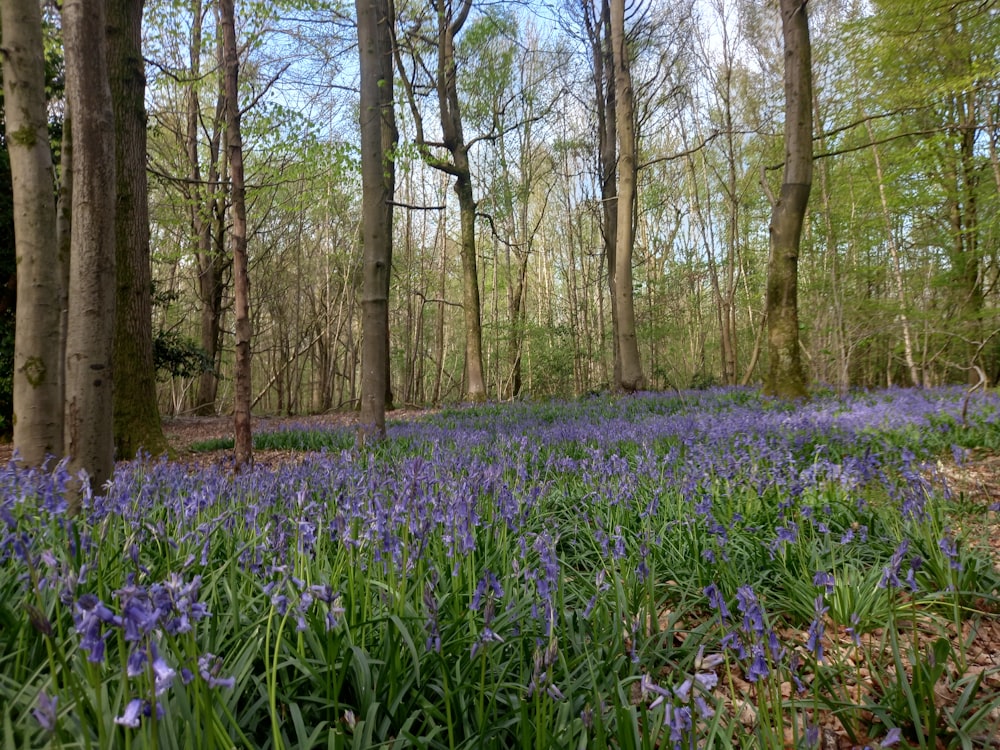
[598,29]
[450,21]
[205,210]
[89,430]
[136,414]
[38,363]
[786,378]
[631,378]
[378,177]
[243,394]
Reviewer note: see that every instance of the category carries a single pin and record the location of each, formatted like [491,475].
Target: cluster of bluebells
[146,616]
[488,588]
[685,704]
[891,572]
[750,638]
[291,596]
[479,476]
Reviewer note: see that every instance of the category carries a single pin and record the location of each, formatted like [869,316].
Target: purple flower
[758,664]
[91,615]
[46,711]
[890,573]
[816,628]
[209,666]
[130,718]
[893,736]
[163,673]
[716,601]
[749,607]
[825,580]
[950,548]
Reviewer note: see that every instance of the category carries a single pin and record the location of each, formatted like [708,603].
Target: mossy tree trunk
[136,415]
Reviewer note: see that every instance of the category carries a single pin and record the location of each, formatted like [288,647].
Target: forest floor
[975,484]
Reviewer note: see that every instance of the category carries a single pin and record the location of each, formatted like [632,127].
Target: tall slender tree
[89,436]
[378,178]
[136,414]
[630,377]
[786,378]
[597,25]
[243,394]
[449,19]
[38,364]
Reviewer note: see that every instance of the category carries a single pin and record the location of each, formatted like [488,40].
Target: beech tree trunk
[38,363]
[136,414]
[786,378]
[378,177]
[631,377]
[89,431]
[242,395]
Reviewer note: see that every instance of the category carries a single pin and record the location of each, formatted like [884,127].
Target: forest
[502,281]
[704,297]
[898,267]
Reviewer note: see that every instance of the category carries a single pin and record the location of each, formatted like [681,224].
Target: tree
[89,435]
[136,414]
[630,377]
[378,141]
[449,21]
[786,378]
[597,25]
[205,204]
[243,393]
[38,364]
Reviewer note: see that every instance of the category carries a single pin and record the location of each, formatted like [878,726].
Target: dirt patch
[183,432]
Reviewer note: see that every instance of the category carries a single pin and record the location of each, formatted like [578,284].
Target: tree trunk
[786,378]
[89,431]
[897,268]
[631,378]
[450,21]
[243,394]
[378,141]
[136,414]
[599,35]
[38,363]
[205,209]
[475,388]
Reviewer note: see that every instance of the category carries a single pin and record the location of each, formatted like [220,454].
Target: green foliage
[176,355]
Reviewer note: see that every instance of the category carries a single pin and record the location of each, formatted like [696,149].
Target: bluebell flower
[890,573]
[758,665]
[893,736]
[716,601]
[749,606]
[816,629]
[130,717]
[950,549]
[209,666]
[46,711]
[825,580]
